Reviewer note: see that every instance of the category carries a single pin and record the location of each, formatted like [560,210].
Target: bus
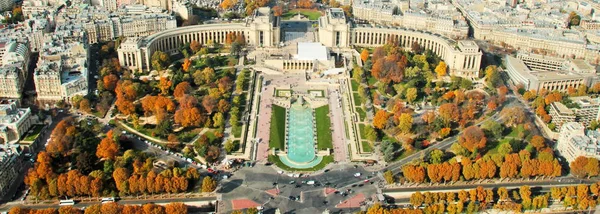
[66,203]
[107,200]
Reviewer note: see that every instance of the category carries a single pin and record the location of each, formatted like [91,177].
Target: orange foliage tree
[187,63]
[472,138]
[182,88]
[108,148]
[277,10]
[126,94]
[164,85]
[364,55]
[380,119]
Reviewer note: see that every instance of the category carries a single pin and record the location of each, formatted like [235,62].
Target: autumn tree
[176,208]
[513,116]
[187,64]
[448,112]
[538,142]
[84,105]
[126,94]
[228,4]
[195,46]
[405,122]
[364,55]
[108,148]
[472,138]
[380,119]
[277,11]
[440,69]
[110,82]
[578,167]
[389,177]
[208,184]
[411,94]
[164,85]
[182,88]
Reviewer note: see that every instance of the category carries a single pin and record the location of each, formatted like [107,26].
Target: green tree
[492,76]
[436,156]
[160,60]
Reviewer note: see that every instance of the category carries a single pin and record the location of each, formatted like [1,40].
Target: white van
[107,200]
[66,203]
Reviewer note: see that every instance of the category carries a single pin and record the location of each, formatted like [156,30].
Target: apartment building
[62,71]
[14,121]
[575,141]
[10,167]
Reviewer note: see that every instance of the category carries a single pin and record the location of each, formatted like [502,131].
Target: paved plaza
[258,185]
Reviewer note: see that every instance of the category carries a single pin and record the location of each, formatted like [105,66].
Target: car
[357,174]
[366,180]
[298,185]
[336,192]
[292,182]
[360,185]
[344,194]
[325,202]
[354,185]
[292,198]
[274,183]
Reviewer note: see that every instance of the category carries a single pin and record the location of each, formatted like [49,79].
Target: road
[544,184]
[210,199]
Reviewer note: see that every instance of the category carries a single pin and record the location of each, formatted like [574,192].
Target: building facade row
[575,141]
[263,30]
[537,75]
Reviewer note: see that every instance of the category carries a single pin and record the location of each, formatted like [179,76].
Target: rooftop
[311,51]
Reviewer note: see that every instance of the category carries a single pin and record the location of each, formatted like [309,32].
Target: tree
[592,167]
[277,10]
[195,46]
[364,55]
[182,88]
[448,112]
[513,115]
[578,167]
[411,95]
[160,60]
[574,19]
[228,4]
[405,122]
[84,105]
[208,184]
[164,85]
[492,76]
[189,117]
[108,148]
[538,142]
[187,63]
[436,156]
[472,138]
[209,103]
[440,69]
[176,208]
[380,119]
[389,177]
[120,175]
[110,82]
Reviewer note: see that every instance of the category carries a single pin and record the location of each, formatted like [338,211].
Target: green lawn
[323,128]
[361,113]
[236,130]
[277,133]
[494,150]
[354,85]
[311,14]
[366,146]
[210,135]
[361,128]
[326,160]
[356,100]
[35,131]
[372,80]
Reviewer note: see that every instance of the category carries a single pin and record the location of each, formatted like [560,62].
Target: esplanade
[463,57]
